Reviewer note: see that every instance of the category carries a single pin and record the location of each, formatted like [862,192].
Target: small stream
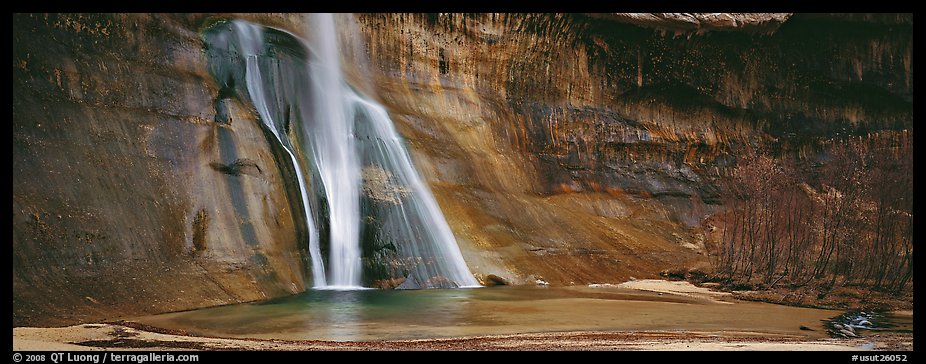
[868,323]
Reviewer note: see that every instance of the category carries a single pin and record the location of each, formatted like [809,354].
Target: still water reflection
[397,314]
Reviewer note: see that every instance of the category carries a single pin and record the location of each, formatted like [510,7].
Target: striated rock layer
[583,149]
[568,149]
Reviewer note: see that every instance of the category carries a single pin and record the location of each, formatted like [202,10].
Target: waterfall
[332,134]
[417,218]
[358,186]
[251,42]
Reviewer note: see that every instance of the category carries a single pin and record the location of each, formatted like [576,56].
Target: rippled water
[867,323]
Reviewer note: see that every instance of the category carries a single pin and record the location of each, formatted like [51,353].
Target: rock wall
[587,148]
[128,196]
[571,149]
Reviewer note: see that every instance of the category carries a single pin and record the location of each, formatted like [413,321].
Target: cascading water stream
[417,217]
[250,39]
[340,143]
[334,151]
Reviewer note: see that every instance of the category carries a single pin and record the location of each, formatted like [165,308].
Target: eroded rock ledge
[703,21]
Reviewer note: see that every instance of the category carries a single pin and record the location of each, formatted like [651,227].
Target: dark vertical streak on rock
[227,151]
[200,228]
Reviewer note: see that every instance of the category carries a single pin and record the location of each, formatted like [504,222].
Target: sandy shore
[121,337]
[138,336]
[679,288]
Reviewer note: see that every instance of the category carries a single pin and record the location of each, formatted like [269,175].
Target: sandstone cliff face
[128,196]
[585,149]
[570,148]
